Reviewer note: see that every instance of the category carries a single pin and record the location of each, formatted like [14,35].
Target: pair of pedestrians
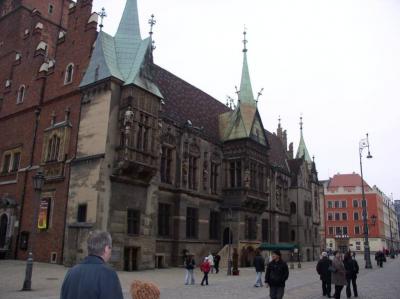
[190,265]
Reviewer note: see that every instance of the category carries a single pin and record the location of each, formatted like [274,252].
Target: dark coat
[91,279]
[190,263]
[277,273]
[259,263]
[339,277]
[351,267]
[322,269]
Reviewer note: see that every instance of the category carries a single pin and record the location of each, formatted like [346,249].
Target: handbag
[332,269]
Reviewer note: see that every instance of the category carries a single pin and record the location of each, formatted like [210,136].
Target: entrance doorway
[227,237]
[131,258]
[3,230]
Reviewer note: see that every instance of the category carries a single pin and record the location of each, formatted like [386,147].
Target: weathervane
[152,22]
[279,121]
[301,122]
[102,15]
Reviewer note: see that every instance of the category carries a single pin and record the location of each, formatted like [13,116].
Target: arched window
[53,149]
[292,208]
[69,73]
[21,94]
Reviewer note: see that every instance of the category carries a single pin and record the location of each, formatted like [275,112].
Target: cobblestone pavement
[302,284]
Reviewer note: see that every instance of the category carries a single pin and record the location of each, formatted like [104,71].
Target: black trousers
[205,278]
[276,292]
[338,290]
[326,287]
[348,287]
[380,263]
[216,266]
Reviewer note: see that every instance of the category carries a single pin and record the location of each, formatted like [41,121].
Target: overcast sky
[336,62]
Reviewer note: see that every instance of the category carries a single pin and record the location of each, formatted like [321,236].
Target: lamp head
[369,156]
[38,180]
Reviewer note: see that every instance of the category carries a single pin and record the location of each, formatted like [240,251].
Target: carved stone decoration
[247,178]
[205,171]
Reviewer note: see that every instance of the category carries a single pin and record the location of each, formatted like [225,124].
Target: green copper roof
[125,57]
[246,91]
[302,150]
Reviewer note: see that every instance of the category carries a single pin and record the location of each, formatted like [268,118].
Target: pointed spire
[302,151]
[129,25]
[246,91]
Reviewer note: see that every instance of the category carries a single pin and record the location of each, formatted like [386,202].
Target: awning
[281,246]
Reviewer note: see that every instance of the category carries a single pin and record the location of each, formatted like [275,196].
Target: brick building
[45,47]
[128,147]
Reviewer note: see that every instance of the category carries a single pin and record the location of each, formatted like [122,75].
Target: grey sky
[336,62]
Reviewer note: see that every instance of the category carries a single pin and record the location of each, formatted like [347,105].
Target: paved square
[303,283]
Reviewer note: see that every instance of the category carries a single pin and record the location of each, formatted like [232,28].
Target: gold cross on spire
[102,15]
[152,22]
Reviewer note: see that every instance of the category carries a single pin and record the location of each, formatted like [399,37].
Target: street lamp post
[229,271]
[38,182]
[364,143]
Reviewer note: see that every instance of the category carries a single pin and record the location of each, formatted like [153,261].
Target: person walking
[260,267]
[217,258]
[211,261]
[276,275]
[205,267]
[190,264]
[325,275]
[380,257]
[92,278]
[352,269]
[338,274]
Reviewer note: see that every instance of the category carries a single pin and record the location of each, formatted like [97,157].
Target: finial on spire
[279,121]
[152,22]
[102,15]
[259,94]
[245,41]
[313,158]
[301,122]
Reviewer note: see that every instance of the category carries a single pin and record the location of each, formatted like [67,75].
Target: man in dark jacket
[276,275]
[259,265]
[92,278]
[325,275]
[352,269]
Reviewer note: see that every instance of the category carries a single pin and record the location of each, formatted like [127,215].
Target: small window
[133,222]
[292,208]
[356,216]
[344,216]
[330,216]
[331,231]
[69,73]
[355,203]
[337,204]
[6,163]
[21,94]
[337,216]
[344,204]
[357,230]
[51,8]
[344,230]
[16,160]
[330,204]
[82,211]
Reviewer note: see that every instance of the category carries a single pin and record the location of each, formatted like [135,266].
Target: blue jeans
[189,276]
[258,279]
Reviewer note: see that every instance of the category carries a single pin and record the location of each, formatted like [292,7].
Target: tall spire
[302,150]
[246,91]
[129,25]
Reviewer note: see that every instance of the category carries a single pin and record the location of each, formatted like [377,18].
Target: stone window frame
[21,94]
[192,223]
[265,229]
[215,225]
[81,213]
[235,173]
[164,216]
[10,165]
[69,73]
[53,148]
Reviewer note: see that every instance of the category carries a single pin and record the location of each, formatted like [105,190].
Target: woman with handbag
[338,274]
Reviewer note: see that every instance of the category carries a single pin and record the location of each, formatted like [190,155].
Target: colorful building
[344,226]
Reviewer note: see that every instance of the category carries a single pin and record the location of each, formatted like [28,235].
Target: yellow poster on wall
[44,212]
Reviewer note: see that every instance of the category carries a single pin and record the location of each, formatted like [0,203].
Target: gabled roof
[184,102]
[124,56]
[346,180]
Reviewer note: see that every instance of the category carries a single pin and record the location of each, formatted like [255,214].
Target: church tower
[302,151]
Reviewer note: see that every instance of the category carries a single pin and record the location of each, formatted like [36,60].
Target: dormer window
[8,83]
[18,56]
[41,46]
[69,73]
[21,94]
